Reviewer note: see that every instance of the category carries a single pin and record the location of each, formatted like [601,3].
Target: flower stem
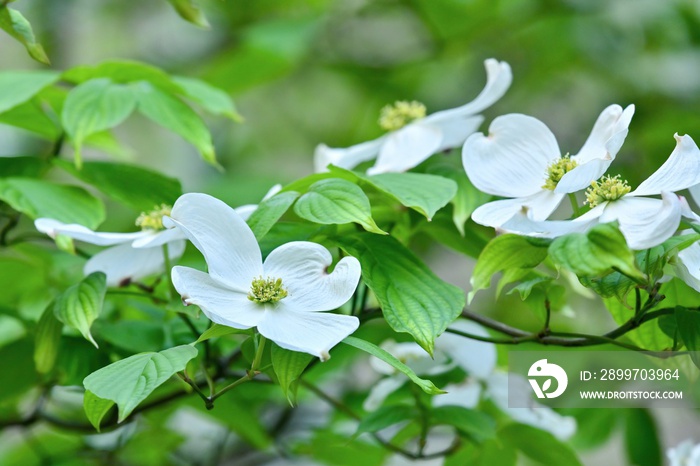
[574,204]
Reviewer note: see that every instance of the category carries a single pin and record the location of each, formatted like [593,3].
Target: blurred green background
[306,72]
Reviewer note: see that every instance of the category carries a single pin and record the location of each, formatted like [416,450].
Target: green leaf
[128,382]
[642,439]
[17,87]
[469,422]
[269,212]
[17,26]
[93,106]
[413,299]
[384,417]
[124,72]
[506,252]
[688,324]
[336,201]
[136,187]
[212,99]
[288,366]
[538,445]
[426,385]
[39,198]
[218,330]
[423,193]
[597,252]
[190,11]
[30,167]
[46,341]
[96,408]
[81,304]
[173,114]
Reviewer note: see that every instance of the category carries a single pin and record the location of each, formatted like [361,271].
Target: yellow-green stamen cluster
[267,290]
[400,114]
[153,219]
[556,171]
[609,188]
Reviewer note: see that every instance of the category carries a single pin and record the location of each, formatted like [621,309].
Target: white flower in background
[412,136]
[645,222]
[684,454]
[478,359]
[132,256]
[521,160]
[282,296]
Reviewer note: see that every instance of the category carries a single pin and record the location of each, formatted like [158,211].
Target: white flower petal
[695,193]
[245,211]
[478,358]
[381,390]
[522,224]
[309,332]
[608,135]
[407,147]
[222,236]
[680,171]
[498,79]
[159,238]
[272,191]
[512,160]
[303,268]
[688,266]
[687,212]
[645,222]
[123,263]
[456,131]
[348,157]
[496,213]
[81,233]
[219,303]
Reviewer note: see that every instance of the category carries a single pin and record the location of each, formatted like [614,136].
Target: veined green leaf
[39,198]
[93,106]
[503,253]
[688,324]
[96,408]
[288,366]
[17,87]
[269,212]
[474,424]
[597,252]
[212,99]
[122,72]
[173,114]
[17,26]
[413,299]
[128,382]
[426,385]
[336,201]
[48,337]
[81,304]
[190,11]
[136,187]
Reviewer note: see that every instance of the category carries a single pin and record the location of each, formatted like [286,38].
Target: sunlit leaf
[17,26]
[81,304]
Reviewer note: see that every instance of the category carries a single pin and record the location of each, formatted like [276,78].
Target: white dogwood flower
[521,160]
[412,136]
[645,222]
[282,296]
[684,454]
[132,256]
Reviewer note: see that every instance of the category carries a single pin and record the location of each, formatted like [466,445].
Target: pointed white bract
[131,256]
[645,222]
[515,161]
[295,276]
[406,147]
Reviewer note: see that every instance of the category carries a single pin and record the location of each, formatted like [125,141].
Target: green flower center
[609,188]
[400,114]
[556,171]
[153,219]
[267,290]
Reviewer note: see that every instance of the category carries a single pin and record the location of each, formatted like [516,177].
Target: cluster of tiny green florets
[267,290]
[609,188]
[153,219]
[400,114]
[556,171]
